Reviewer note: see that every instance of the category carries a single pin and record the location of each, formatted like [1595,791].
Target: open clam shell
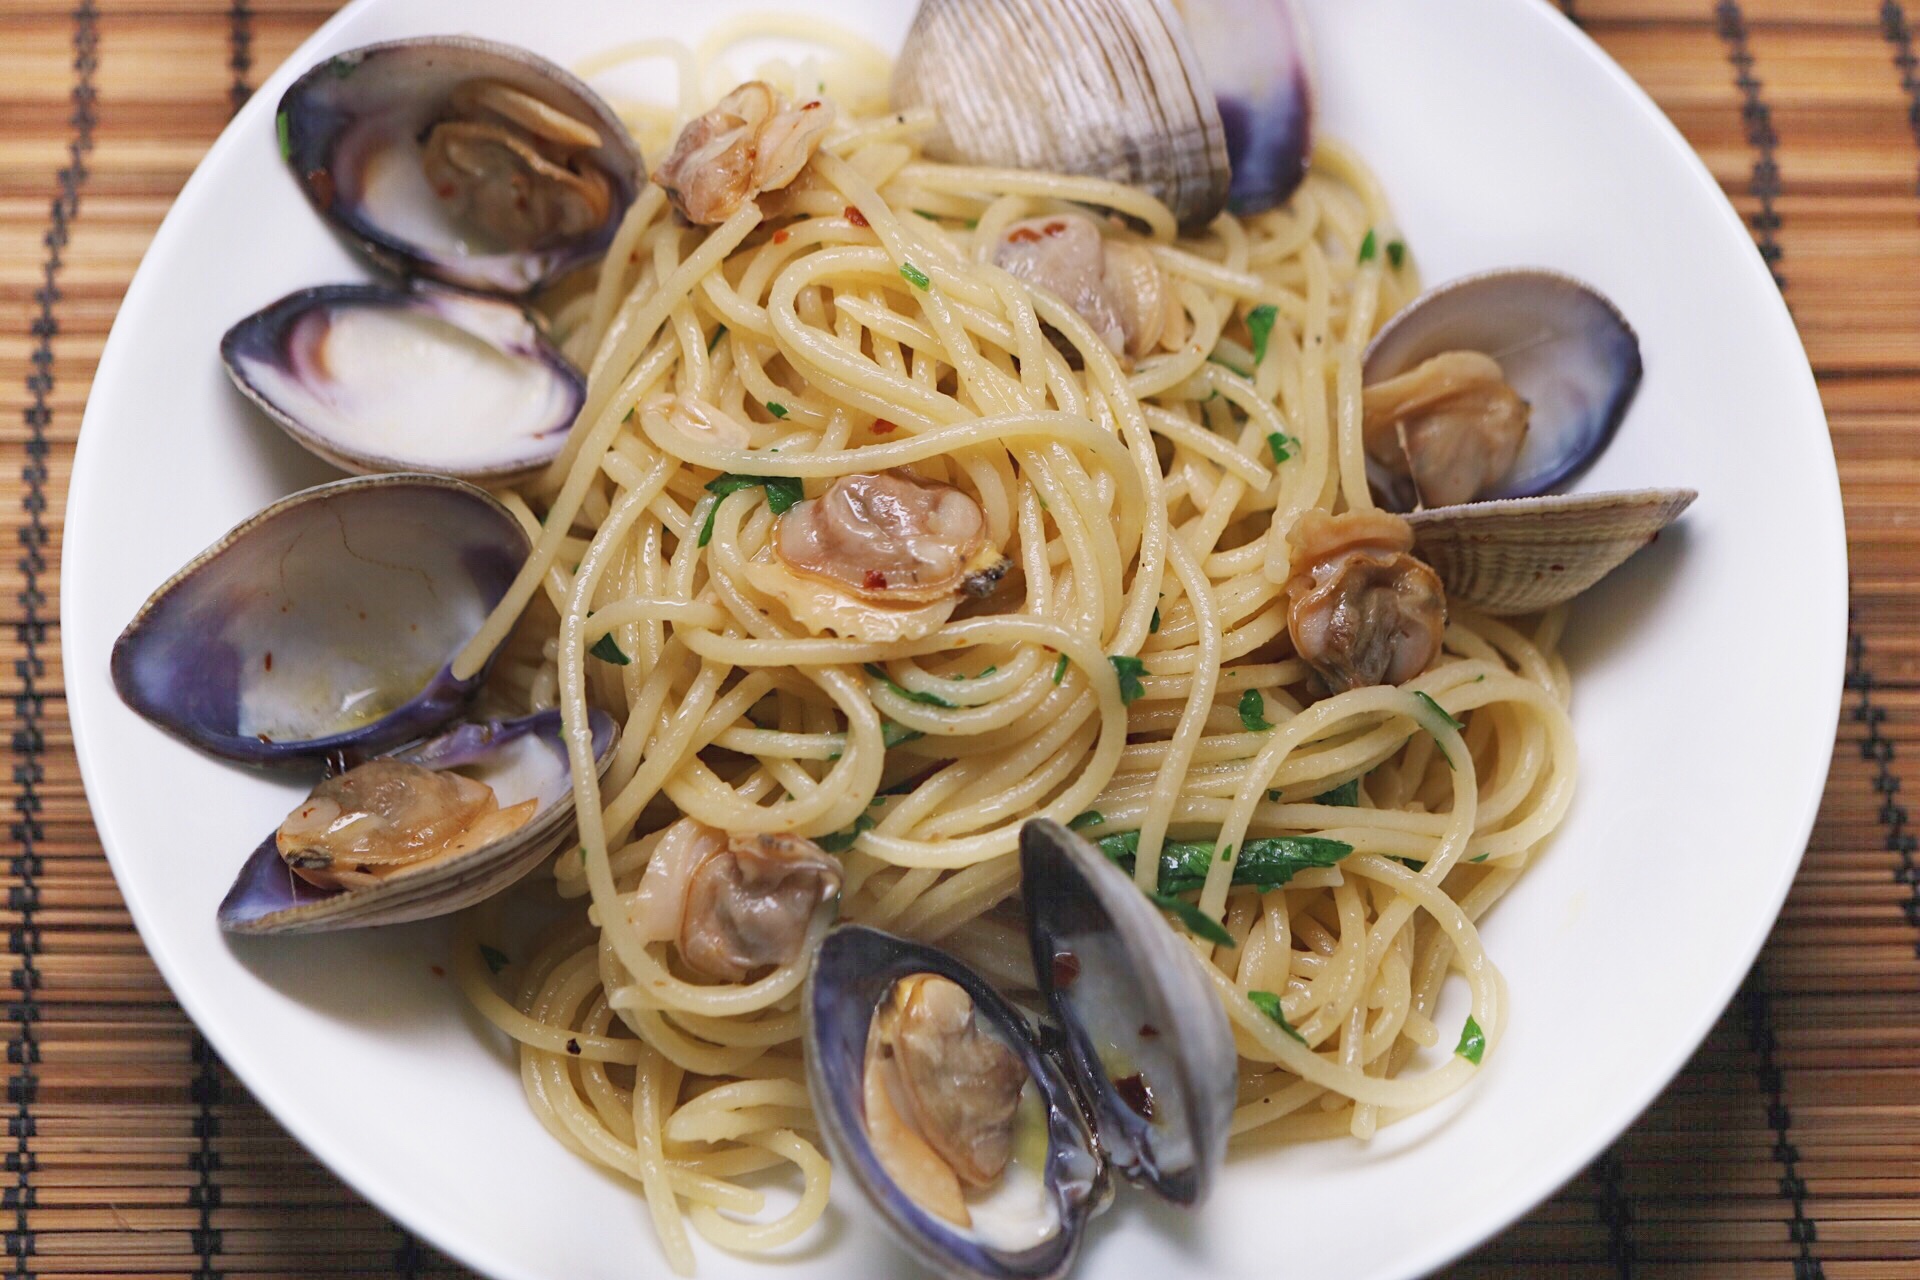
[354,130]
[1525,554]
[519,759]
[855,970]
[375,379]
[1258,61]
[1560,344]
[1105,88]
[1138,1015]
[326,623]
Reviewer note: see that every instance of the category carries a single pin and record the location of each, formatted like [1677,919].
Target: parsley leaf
[1198,923]
[1129,669]
[911,695]
[1153,625]
[1225,365]
[1370,247]
[1060,669]
[281,127]
[1482,858]
[1473,1042]
[777,409]
[1091,818]
[915,276]
[1280,446]
[1264,864]
[1444,718]
[607,650]
[892,735]
[1269,1004]
[1260,325]
[1253,712]
[496,959]
[1397,253]
[1344,796]
[930,217]
[718,334]
[782,493]
[841,841]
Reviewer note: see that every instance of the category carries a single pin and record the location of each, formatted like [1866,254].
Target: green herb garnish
[841,841]
[1129,669]
[1370,247]
[1396,253]
[1482,858]
[777,409]
[496,959]
[1269,1004]
[1214,359]
[1198,923]
[1414,865]
[782,493]
[911,695]
[1345,796]
[607,650]
[892,735]
[1446,718]
[930,217]
[718,334]
[1153,624]
[1091,818]
[1473,1042]
[282,127]
[1264,864]
[1280,446]
[915,276]
[1060,669]
[1253,712]
[1260,326]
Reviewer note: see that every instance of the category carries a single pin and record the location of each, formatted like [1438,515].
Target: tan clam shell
[1101,88]
[1520,555]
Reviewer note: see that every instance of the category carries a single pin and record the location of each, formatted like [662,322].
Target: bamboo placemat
[1789,1148]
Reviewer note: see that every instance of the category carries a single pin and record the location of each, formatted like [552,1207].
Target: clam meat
[1115,286]
[1361,609]
[470,162]
[427,379]
[753,141]
[734,906]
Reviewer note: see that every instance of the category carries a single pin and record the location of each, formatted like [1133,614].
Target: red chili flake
[1023,235]
[264,738]
[1054,228]
[1134,1092]
[782,236]
[815,105]
[1066,968]
[1558,568]
[573,1047]
[438,972]
[268,661]
[875,580]
[856,217]
[1149,1032]
[881,427]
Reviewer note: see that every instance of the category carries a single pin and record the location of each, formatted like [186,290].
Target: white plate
[1708,678]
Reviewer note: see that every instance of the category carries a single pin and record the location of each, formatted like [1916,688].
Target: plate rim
[1550,23]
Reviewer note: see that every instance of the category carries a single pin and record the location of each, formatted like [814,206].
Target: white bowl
[1708,676]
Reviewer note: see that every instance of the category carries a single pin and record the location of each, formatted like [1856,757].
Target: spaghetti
[855,323]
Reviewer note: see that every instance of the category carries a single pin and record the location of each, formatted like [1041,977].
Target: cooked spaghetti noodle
[856,324]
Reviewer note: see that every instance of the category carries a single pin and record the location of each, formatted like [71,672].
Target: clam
[420,832]
[879,557]
[1362,610]
[474,163]
[375,379]
[325,624]
[1194,101]
[986,1145]
[1481,396]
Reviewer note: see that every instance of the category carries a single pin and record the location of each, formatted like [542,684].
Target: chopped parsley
[911,695]
[1214,359]
[892,735]
[777,409]
[1198,923]
[1269,1004]
[1370,247]
[930,217]
[1280,446]
[782,493]
[1415,865]
[1473,1042]
[1253,712]
[496,959]
[282,126]
[1260,326]
[1091,818]
[841,841]
[1129,670]
[607,650]
[1397,253]
[1060,669]
[718,334]
[915,276]
[1153,624]
[1263,864]
[1481,858]
[1445,718]
[1344,796]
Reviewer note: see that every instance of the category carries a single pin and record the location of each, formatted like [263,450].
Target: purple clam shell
[267,897]
[854,971]
[1259,63]
[326,623]
[1131,971]
[278,358]
[341,114]
[1561,345]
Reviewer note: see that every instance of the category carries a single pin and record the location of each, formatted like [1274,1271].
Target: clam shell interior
[375,379]
[519,759]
